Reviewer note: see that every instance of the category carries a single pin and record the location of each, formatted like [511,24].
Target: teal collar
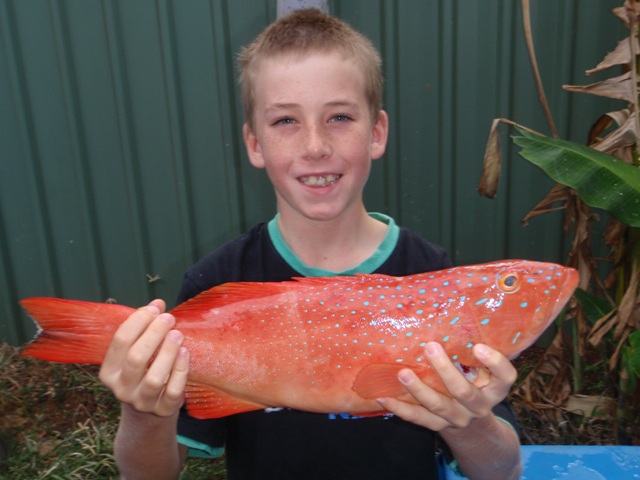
[369,265]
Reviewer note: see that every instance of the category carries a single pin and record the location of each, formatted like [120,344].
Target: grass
[58,422]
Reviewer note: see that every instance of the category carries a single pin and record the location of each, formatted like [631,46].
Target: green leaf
[601,180]
[593,306]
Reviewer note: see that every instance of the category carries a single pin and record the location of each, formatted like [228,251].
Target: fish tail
[72,331]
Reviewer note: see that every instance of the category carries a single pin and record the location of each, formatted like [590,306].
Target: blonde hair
[304,32]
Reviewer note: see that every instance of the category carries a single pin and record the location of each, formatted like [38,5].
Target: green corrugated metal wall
[121,160]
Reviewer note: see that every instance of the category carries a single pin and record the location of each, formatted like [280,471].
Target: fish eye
[509,283]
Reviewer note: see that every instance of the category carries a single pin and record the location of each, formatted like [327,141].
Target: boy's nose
[317,145]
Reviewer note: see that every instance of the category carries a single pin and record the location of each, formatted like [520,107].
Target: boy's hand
[146,365]
[467,402]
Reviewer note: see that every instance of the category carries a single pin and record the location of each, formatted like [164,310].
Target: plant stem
[577,358]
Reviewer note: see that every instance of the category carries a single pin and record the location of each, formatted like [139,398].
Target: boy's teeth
[319,181]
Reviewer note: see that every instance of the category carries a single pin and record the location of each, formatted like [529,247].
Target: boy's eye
[340,118]
[284,121]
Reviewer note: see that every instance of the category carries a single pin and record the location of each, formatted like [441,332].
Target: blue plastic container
[568,462]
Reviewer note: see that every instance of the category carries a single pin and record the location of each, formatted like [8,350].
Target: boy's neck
[336,244]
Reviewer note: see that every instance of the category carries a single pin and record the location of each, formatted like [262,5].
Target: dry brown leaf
[622,321]
[559,389]
[603,123]
[628,304]
[601,327]
[558,194]
[614,358]
[619,88]
[492,163]
[614,236]
[630,8]
[621,55]
[624,136]
[590,405]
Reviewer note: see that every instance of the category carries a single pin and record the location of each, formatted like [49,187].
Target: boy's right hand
[146,365]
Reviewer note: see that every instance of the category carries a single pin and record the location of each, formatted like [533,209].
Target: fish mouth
[319,180]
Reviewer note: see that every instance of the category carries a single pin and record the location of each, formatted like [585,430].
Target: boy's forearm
[487,449]
[146,446]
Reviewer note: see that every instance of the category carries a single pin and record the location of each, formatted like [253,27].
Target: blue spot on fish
[446,339]
[515,338]
[485,321]
[481,301]
[452,322]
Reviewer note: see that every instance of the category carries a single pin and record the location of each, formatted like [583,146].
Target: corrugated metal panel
[121,157]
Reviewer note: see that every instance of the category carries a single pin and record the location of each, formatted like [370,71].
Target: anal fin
[204,402]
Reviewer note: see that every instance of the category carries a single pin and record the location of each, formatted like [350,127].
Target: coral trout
[331,344]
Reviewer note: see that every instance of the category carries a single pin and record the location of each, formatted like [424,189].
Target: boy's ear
[253,147]
[379,135]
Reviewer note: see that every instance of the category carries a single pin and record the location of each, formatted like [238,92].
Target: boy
[312,101]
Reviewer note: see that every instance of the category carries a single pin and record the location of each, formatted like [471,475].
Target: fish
[326,344]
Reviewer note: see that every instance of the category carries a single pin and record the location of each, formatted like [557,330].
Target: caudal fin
[72,331]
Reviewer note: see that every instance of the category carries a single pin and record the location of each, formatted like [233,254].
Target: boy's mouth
[319,180]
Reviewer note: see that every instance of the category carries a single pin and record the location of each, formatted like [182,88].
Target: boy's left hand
[467,402]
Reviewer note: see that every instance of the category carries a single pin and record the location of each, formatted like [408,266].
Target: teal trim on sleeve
[200,450]
[369,265]
[507,422]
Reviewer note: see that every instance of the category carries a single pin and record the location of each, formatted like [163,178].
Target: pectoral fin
[380,380]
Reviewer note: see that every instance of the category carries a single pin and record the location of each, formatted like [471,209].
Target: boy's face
[314,134]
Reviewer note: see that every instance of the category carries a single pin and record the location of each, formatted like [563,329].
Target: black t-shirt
[291,444]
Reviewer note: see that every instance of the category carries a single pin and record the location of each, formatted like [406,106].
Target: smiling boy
[311,91]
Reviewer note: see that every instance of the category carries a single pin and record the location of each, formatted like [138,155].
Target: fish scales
[335,344]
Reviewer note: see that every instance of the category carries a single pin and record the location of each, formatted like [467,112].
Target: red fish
[331,344]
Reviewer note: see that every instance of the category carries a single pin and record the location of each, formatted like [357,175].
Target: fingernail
[381,401]
[405,377]
[175,335]
[482,351]
[432,349]
[167,318]
[153,309]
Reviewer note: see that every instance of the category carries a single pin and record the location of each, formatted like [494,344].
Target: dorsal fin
[228,293]
[232,292]
[343,279]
